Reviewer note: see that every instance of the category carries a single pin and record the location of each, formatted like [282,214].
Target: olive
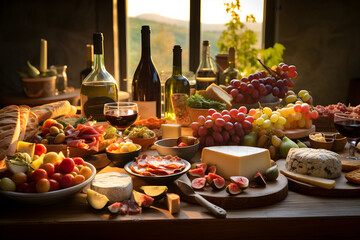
[54,130]
[44,141]
[50,139]
[59,138]
[58,125]
[37,138]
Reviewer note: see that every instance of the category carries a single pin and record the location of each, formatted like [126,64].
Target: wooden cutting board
[299,132]
[342,188]
[252,197]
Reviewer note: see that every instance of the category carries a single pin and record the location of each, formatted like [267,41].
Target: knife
[187,190]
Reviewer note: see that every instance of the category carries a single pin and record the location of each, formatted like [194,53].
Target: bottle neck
[145,44]
[99,63]
[205,58]
[231,64]
[177,65]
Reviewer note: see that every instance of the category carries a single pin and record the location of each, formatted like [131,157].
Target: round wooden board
[299,132]
[342,187]
[252,197]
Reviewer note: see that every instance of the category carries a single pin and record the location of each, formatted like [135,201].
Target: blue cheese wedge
[314,162]
[115,186]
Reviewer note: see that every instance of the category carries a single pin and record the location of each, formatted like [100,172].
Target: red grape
[237,126]
[196,134]
[236,83]
[231,132]
[247,125]
[240,132]
[201,120]
[285,75]
[217,137]
[208,123]
[262,89]
[209,141]
[240,117]
[250,119]
[250,77]
[276,91]
[202,131]
[269,88]
[239,98]
[195,126]
[234,92]
[244,79]
[236,139]
[215,116]
[284,67]
[279,83]
[216,128]
[293,74]
[250,88]
[229,88]
[255,94]
[233,112]
[225,135]
[243,86]
[291,83]
[211,111]
[226,117]
[208,117]
[292,68]
[225,112]
[255,83]
[228,126]
[263,74]
[220,122]
[243,109]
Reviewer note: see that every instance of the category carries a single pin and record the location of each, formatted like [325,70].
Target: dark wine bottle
[205,74]
[230,72]
[177,83]
[89,62]
[146,86]
[99,87]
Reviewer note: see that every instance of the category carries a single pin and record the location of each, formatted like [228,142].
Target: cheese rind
[116,186]
[173,202]
[316,181]
[237,160]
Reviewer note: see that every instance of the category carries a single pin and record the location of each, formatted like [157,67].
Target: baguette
[24,116]
[32,127]
[9,130]
[52,110]
[215,92]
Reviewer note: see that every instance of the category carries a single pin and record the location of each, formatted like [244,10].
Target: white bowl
[50,197]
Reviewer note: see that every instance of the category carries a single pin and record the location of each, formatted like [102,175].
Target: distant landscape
[167,32]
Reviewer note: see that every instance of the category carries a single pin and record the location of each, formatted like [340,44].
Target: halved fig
[218,183]
[201,165]
[259,179]
[211,176]
[211,169]
[233,189]
[241,181]
[197,172]
[133,208]
[115,207]
[198,183]
[124,208]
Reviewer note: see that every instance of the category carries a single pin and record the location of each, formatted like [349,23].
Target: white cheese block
[314,162]
[237,160]
[170,130]
[115,186]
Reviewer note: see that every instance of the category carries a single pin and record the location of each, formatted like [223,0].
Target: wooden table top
[298,216]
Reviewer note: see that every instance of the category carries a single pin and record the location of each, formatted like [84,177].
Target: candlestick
[43,56]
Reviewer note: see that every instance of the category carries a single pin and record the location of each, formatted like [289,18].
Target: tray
[299,132]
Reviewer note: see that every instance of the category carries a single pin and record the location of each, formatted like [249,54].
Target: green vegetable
[33,71]
[199,101]
[138,132]
[81,120]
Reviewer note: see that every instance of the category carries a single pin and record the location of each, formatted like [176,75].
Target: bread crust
[9,130]
[353,176]
[52,110]
[24,116]
[350,165]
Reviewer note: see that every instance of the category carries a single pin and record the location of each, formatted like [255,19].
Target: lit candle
[43,56]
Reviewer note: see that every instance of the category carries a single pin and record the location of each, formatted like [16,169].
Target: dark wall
[322,38]
[67,26]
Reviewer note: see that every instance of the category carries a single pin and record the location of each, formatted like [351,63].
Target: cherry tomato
[38,174]
[48,123]
[43,185]
[67,165]
[79,161]
[40,149]
[57,177]
[67,181]
[54,185]
[49,168]
[19,178]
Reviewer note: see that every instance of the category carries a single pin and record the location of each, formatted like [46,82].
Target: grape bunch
[225,128]
[252,88]
[298,115]
[267,120]
[303,96]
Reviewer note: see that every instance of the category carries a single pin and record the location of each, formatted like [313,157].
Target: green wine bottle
[230,72]
[177,83]
[99,87]
[205,74]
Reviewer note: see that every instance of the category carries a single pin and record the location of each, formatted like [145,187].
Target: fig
[242,182]
[115,207]
[156,192]
[142,200]
[211,169]
[285,146]
[201,165]
[211,176]
[233,189]
[272,173]
[197,172]
[259,179]
[218,183]
[198,183]
[301,144]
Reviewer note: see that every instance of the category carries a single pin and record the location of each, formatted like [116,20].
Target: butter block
[170,130]
[173,202]
[237,160]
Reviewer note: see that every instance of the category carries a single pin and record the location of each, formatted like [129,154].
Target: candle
[43,56]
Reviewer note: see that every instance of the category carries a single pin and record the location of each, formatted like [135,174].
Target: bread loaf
[32,127]
[215,92]
[52,110]
[24,116]
[9,130]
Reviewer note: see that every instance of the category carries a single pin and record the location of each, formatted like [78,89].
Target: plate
[50,197]
[158,179]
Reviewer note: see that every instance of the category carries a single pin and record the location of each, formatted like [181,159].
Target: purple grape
[279,83]
[244,79]
[276,91]
[262,89]
[228,126]
[234,92]
[243,86]
[225,135]
[255,94]
[196,134]
[236,83]
[202,131]
[216,128]
[231,132]
[240,132]
[255,83]
[195,126]
[269,88]
[209,123]
[209,141]
[239,98]
[229,88]
[250,88]
[237,126]
[235,139]
[218,137]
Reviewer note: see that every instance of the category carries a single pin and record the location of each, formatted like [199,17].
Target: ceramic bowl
[120,159]
[144,142]
[339,143]
[328,145]
[52,197]
[39,87]
[169,147]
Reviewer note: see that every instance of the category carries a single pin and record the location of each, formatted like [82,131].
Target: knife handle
[216,210]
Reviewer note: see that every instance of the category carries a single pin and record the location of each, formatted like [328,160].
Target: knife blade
[214,209]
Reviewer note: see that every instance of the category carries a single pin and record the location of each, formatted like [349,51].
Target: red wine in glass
[348,127]
[122,120]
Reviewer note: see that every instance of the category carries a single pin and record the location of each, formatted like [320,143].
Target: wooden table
[296,217]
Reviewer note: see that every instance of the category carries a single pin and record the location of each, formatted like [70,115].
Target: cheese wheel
[115,186]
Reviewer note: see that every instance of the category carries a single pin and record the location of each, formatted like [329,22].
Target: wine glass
[121,114]
[348,124]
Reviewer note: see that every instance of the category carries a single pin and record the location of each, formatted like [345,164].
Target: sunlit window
[169,23]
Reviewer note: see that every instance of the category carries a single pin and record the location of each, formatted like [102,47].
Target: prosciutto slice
[157,166]
[86,136]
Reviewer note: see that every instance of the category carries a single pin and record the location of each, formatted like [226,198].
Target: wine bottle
[205,74]
[99,87]
[230,72]
[146,87]
[177,83]
[89,62]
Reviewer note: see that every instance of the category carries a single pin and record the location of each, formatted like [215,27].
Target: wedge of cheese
[173,202]
[237,160]
[170,130]
[316,181]
[115,186]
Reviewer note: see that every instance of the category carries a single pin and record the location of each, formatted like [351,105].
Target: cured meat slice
[124,208]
